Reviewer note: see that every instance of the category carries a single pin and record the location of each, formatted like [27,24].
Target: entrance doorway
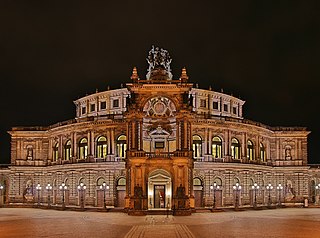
[121,192]
[198,192]
[159,190]
[159,196]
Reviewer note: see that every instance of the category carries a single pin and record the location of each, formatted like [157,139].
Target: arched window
[55,152]
[197,182]
[67,150]
[121,182]
[218,181]
[251,182]
[100,181]
[102,147]
[262,152]
[235,148]
[197,146]
[216,147]
[250,150]
[83,148]
[121,146]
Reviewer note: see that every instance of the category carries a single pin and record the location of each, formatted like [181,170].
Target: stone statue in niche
[131,99]
[185,98]
[29,153]
[28,191]
[191,101]
[138,191]
[181,197]
[288,153]
[181,192]
[138,197]
[289,192]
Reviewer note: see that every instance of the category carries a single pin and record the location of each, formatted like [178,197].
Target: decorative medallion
[159,106]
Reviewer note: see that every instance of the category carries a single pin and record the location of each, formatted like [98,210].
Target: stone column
[268,150]
[186,179]
[185,134]
[60,156]
[74,144]
[177,136]
[205,145]
[278,150]
[112,149]
[108,141]
[92,144]
[189,136]
[210,142]
[89,142]
[133,130]
[98,106]
[257,149]
[50,149]
[243,145]
[209,104]
[226,141]
[141,136]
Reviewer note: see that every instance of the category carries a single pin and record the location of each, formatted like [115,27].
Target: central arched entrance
[159,189]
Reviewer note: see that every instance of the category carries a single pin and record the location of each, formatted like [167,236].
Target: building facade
[159,143]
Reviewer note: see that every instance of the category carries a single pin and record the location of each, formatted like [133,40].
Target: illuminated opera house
[158,143]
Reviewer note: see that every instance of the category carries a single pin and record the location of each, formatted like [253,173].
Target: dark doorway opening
[159,196]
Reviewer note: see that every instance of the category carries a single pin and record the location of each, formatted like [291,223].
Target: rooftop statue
[159,58]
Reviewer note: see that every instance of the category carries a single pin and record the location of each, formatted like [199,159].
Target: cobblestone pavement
[287,222]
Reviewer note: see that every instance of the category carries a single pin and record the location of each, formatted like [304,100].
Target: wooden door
[66,197]
[198,198]
[100,198]
[219,198]
[121,198]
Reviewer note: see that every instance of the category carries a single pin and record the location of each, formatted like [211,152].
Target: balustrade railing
[230,160]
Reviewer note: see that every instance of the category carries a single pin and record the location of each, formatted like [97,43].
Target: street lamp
[255,188]
[63,188]
[317,189]
[214,187]
[237,189]
[38,188]
[104,187]
[48,188]
[81,188]
[279,188]
[1,198]
[269,188]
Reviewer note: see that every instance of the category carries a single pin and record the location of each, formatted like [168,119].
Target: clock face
[159,106]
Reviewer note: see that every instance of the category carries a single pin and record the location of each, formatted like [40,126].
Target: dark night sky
[266,52]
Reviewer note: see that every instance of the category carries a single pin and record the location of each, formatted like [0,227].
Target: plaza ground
[285,222]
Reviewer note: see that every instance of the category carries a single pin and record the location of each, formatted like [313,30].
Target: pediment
[159,175]
[159,132]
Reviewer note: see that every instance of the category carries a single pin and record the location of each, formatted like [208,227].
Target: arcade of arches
[158,143]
